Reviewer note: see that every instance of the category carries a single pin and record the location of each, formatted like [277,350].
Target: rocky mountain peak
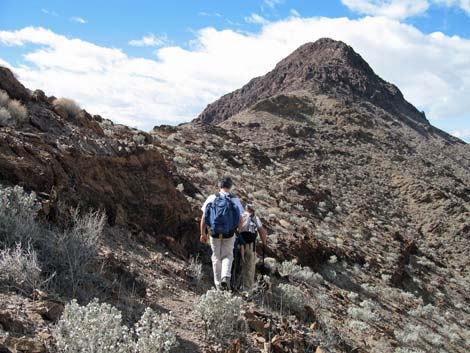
[324,67]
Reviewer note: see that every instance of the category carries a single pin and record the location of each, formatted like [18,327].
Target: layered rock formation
[86,161]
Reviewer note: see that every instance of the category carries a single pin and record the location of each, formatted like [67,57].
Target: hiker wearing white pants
[223,216]
[222,258]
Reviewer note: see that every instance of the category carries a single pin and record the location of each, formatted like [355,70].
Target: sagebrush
[20,269]
[220,313]
[64,255]
[98,328]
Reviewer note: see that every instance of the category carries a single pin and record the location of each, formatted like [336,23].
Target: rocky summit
[366,205]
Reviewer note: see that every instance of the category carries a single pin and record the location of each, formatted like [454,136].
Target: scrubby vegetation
[220,312]
[62,255]
[97,327]
[69,105]
[12,111]
[19,269]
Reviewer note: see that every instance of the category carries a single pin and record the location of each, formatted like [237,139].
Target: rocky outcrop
[323,67]
[10,84]
[72,161]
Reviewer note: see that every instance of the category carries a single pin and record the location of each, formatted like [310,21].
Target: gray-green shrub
[220,313]
[5,116]
[63,254]
[20,269]
[97,328]
[292,299]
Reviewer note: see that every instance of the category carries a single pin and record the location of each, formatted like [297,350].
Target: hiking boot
[225,283]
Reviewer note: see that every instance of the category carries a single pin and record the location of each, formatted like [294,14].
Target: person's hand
[203,238]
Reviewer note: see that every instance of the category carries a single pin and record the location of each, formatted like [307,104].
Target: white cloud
[462,4]
[209,14]
[150,40]
[294,13]
[256,19]
[463,134]
[52,13]
[433,70]
[78,20]
[388,8]
[401,9]
[273,3]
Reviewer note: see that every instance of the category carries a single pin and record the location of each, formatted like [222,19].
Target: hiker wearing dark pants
[221,212]
[250,227]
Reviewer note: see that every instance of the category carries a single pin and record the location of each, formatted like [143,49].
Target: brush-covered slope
[72,157]
[351,180]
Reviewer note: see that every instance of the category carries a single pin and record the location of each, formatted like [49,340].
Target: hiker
[249,229]
[221,212]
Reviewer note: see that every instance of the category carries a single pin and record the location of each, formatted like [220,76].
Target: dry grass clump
[12,111]
[69,105]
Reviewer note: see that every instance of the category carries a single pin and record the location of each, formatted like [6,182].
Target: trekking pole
[263,254]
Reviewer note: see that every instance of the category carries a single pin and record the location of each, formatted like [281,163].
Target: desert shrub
[299,273]
[18,210]
[98,328]
[78,246]
[63,254]
[4,98]
[220,313]
[19,268]
[292,299]
[366,312]
[194,268]
[18,111]
[139,139]
[154,333]
[5,116]
[68,105]
[289,267]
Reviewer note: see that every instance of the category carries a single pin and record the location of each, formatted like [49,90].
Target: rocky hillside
[72,157]
[367,207]
[351,181]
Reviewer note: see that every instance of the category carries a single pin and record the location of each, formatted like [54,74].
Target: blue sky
[149,62]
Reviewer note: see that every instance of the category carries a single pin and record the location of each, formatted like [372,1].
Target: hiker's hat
[250,206]
[225,182]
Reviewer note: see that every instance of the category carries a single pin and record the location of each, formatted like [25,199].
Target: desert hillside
[367,207]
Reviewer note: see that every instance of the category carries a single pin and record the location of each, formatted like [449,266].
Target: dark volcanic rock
[74,160]
[323,67]
[11,85]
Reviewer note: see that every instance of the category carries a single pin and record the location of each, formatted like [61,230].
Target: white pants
[222,257]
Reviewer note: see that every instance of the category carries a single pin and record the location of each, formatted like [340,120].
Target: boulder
[12,86]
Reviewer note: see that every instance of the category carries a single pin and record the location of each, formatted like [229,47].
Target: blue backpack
[222,216]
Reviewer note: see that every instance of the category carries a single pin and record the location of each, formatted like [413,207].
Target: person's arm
[241,210]
[203,237]
[263,236]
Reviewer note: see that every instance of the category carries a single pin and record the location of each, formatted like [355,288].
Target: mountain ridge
[325,66]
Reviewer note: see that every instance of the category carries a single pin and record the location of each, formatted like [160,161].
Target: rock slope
[365,202]
[85,160]
[352,181]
